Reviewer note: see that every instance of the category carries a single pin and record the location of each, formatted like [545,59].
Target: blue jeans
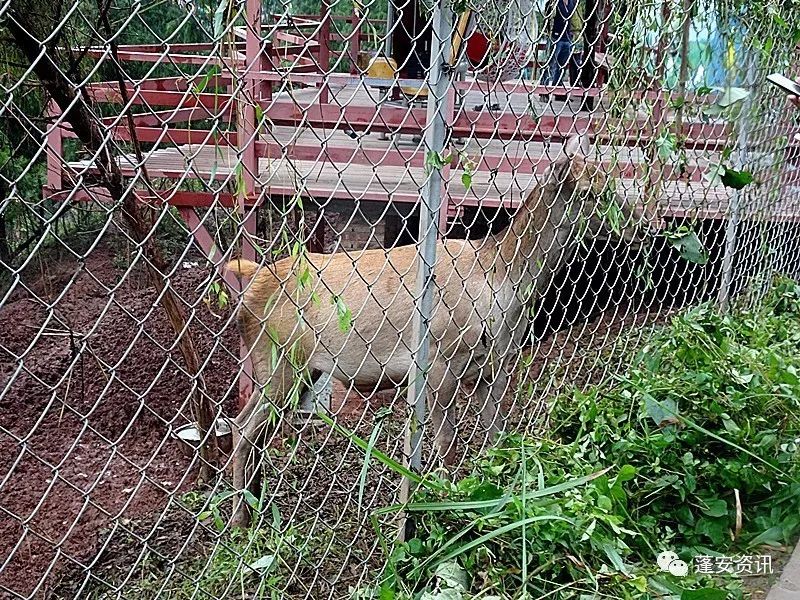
[559,60]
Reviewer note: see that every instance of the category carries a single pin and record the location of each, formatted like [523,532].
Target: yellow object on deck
[381,67]
[420,93]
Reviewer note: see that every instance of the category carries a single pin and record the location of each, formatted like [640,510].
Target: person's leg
[562,55]
[572,77]
[555,65]
[575,64]
[547,72]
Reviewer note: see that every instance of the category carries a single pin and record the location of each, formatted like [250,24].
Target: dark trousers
[561,50]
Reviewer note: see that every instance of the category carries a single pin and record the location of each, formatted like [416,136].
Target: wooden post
[444,209]
[324,47]
[247,136]
[247,133]
[55,154]
[355,41]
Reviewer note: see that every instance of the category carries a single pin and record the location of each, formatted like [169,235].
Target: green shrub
[702,430]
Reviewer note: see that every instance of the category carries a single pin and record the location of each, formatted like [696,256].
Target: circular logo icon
[665,558]
[678,568]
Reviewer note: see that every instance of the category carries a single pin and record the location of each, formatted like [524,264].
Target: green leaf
[362,480]
[260,121]
[640,583]
[387,592]
[241,186]
[415,546]
[452,575]
[201,86]
[222,496]
[731,96]
[497,504]
[667,143]
[741,378]
[251,500]
[276,517]
[663,412]
[480,541]
[714,529]
[704,594]
[383,458]
[726,153]
[433,160]
[263,564]
[626,473]
[715,508]
[612,212]
[211,178]
[486,491]
[219,17]
[736,179]
[772,537]
[466,179]
[613,556]
[714,173]
[689,246]
[343,314]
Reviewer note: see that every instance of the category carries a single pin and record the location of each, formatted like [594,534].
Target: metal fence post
[734,207]
[388,44]
[439,76]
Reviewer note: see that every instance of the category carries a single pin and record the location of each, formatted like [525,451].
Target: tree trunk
[5,248]
[138,218]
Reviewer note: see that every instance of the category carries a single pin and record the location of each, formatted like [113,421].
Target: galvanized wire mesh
[451,211]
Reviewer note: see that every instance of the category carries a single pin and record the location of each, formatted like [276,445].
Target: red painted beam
[168,135]
[293,49]
[311,18]
[162,117]
[399,119]
[170,56]
[216,103]
[169,47]
[295,39]
[165,56]
[207,199]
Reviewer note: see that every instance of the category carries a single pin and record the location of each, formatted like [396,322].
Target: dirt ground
[91,483]
[758,586]
[91,387]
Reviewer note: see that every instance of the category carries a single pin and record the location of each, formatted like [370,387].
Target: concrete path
[788,586]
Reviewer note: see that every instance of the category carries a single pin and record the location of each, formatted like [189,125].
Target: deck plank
[332,172]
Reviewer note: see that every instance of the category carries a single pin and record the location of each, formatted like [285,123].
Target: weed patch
[693,450]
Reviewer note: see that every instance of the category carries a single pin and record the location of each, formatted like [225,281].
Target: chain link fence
[263,264]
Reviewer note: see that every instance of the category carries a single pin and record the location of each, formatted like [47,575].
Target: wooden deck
[328,163]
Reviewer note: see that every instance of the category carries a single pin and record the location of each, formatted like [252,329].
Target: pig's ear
[577,145]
